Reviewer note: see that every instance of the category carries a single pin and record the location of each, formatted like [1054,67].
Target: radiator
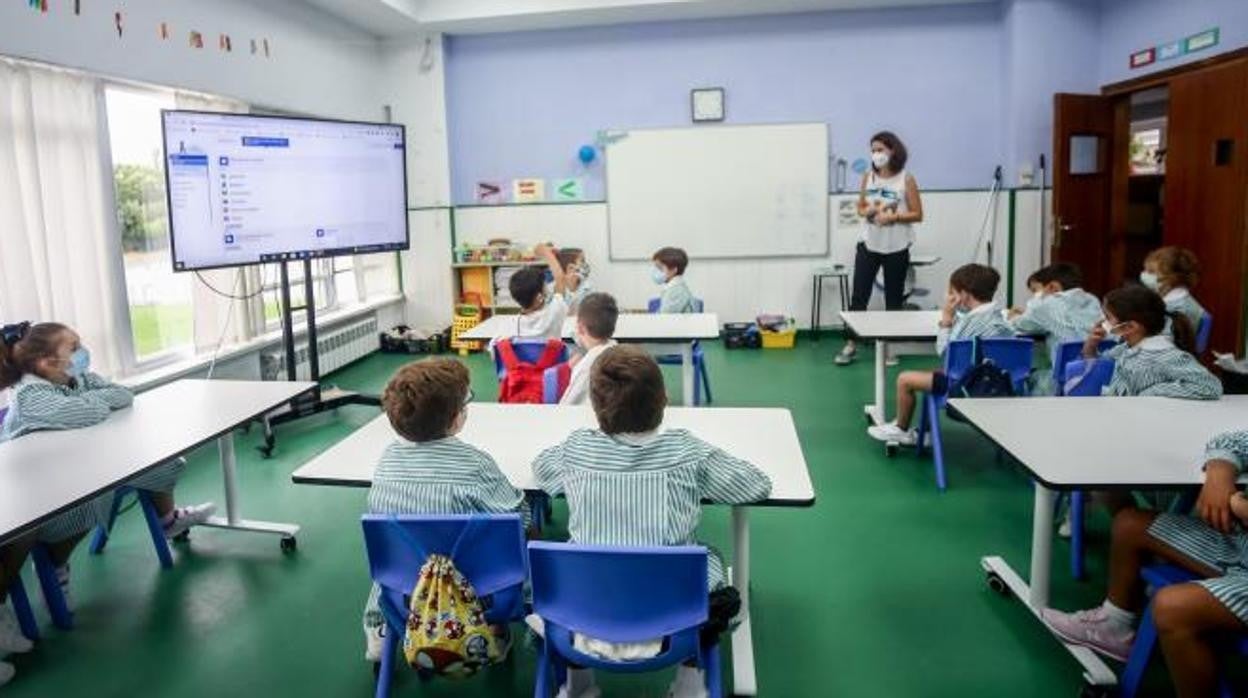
[338,346]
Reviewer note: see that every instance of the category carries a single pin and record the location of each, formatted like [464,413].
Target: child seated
[1060,309]
[576,276]
[969,312]
[1172,272]
[53,388]
[629,483]
[428,470]
[541,313]
[669,272]
[1189,617]
[1147,362]
[595,324]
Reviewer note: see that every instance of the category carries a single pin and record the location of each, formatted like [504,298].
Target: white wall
[738,290]
[317,66]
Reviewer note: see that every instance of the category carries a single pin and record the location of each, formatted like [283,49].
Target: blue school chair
[701,379]
[1013,355]
[21,609]
[1094,375]
[1158,577]
[550,386]
[1203,332]
[100,539]
[487,548]
[610,593]
[1066,352]
[528,350]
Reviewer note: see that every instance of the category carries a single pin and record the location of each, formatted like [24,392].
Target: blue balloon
[586,154]
[859,166]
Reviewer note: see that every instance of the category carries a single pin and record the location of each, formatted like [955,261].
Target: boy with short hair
[968,312]
[541,313]
[628,483]
[595,325]
[1061,309]
[427,470]
[670,264]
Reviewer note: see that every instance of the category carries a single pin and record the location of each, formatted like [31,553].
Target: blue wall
[520,104]
[1131,25]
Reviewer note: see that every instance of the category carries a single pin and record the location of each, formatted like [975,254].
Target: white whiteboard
[719,191]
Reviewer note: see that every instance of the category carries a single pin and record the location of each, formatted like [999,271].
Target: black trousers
[867,265]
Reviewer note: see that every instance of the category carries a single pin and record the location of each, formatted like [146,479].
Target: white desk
[657,331]
[1094,443]
[45,473]
[515,434]
[903,327]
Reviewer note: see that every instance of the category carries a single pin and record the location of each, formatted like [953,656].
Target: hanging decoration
[164,31]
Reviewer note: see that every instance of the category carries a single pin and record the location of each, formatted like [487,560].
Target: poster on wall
[528,190]
[569,189]
[490,193]
[847,212]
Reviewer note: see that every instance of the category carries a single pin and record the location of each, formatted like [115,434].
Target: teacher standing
[889,204]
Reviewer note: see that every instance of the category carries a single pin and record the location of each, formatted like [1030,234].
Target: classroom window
[161,316]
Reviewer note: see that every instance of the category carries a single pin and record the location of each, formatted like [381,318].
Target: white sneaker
[186,518]
[1063,530]
[846,356]
[6,673]
[12,641]
[1093,629]
[690,682]
[893,434]
[374,642]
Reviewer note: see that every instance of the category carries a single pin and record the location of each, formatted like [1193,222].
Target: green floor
[875,591]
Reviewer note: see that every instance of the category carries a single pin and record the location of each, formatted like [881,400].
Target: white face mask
[1109,327]
[880,158]
[1150,280]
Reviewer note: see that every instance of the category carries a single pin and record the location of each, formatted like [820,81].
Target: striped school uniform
[446,476]
[1225,552]
[645,489]
[676,297]
[1063,316]
[40,405]
[1158,368]
[1181,300]
[983,321]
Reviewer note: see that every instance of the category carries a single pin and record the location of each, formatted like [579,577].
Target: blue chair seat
[1011,354]
[593,590]
[1203,332]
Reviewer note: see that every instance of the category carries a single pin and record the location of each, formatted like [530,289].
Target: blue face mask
[658,275]
[79,362]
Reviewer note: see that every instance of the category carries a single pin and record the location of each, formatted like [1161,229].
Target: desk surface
[45,473]
[1106,442]
[892,325]
[631,327]
[515,434]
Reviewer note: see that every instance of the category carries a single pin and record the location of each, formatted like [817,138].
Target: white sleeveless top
[889,192]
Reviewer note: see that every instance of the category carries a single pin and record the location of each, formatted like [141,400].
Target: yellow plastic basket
[466,318]
[779,340]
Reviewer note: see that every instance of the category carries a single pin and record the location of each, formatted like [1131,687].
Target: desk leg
[1004,579]
[875,411]
[744,681]
[686,373]
[233,516]
[816,286]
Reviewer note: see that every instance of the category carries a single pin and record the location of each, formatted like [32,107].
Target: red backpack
[522,381]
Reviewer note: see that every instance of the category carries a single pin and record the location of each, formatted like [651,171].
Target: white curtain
[218,320]
[59,245]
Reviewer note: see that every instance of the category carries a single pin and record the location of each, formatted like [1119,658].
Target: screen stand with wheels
[319,399]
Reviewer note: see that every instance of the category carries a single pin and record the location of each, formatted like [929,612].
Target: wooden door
[1083,138]
[1206,197]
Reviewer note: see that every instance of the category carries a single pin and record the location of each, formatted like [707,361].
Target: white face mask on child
[1150,280]
[658,276]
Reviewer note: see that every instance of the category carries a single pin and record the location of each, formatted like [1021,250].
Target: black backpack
[984,379]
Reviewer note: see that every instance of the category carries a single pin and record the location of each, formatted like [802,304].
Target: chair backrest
[490,554]
[619,594]
[528,350]
[555,382]
[1094,375]
[1203,332]
[1012,354]
[653,304]
[1067,352]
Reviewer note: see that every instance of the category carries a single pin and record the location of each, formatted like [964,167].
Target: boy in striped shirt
[969,312]
[427,470]
[1061,310]
[1191,617]
[629,483]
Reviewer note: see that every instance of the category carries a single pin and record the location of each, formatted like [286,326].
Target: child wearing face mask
[595,324]
[427,470]
[969,312]
[576,276]
[1147,362]
[53,388]
[1172,272]
[1059,308]
[669,268]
